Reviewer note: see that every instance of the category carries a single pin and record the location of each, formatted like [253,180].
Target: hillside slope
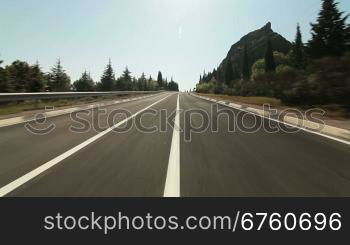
[256,45]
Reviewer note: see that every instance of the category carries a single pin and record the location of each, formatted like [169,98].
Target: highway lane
[22,151]
[259,163]
[135,163]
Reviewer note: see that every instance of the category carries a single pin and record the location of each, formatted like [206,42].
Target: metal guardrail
[8,97]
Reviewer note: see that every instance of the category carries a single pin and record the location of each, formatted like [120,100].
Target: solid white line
[303,129]
[288,124]
[172,183]
[34,173]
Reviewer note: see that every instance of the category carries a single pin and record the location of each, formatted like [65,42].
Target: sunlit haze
[181,38]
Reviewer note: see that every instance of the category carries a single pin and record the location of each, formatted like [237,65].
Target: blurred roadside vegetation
[23,106]
[313,74]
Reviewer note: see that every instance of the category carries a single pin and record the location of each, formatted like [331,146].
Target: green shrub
[324,81]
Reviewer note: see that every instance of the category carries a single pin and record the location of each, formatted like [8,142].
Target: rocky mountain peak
[256,45]
[268,26]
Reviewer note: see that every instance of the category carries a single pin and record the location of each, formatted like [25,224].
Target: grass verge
[22,106]
[332,111]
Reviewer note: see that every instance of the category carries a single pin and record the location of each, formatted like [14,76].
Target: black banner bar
[203,220]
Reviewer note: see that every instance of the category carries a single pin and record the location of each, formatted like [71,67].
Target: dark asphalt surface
[134,163]
[242,164]
[22,151]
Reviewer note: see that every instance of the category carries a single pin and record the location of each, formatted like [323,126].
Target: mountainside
[256,45]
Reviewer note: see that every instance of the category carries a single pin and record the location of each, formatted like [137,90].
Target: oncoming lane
[129,163]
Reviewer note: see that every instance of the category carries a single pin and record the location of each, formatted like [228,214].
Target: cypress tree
[219,75]
[150,83]
[166,83]
[108,78]
[160,80]
[270,65]
[204,77]
[214,74]
[146,84]
[329,33]
[298,49]
[245,68]
[209,77]
[144,81]
[229,72]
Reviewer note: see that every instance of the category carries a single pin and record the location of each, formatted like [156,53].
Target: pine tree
[160,80]
[142,83]
[173,86]
[270,65]
[18,75]
[126,80]
[133,86]
[4,80]
[23,78]
[85,83]
[36,81]
[58,80]
[329,33]
[297,53]
[229,72]
[245,68]
[108,78]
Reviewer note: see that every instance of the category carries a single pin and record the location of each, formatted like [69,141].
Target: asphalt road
[135,163]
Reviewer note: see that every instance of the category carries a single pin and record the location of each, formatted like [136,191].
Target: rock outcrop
[256,45]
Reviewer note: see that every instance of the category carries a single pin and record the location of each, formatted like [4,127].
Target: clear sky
[179,37]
